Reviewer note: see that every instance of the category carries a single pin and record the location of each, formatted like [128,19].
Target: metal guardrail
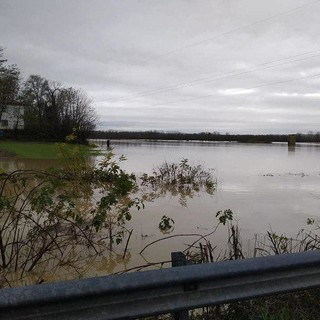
[135,295]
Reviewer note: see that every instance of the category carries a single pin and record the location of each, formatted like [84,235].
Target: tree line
[204,136]
[51,110]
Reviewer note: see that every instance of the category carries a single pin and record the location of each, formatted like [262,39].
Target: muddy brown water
[268,186]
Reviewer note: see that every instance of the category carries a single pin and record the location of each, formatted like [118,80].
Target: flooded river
[267,186]
[264,184]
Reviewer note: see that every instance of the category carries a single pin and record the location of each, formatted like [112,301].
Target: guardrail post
[178,259]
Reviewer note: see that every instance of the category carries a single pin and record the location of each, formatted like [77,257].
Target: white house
[12,117]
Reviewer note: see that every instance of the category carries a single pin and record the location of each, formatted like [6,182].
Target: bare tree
[35,97]
[77,113]
[57,111]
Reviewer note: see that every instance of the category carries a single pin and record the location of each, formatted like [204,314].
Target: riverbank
[38,150]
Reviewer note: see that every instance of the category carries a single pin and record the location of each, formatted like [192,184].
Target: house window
[4,123]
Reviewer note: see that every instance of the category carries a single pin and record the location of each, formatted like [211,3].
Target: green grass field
[36,150]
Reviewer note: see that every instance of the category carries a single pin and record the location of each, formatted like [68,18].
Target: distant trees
[51,110]
[204,136]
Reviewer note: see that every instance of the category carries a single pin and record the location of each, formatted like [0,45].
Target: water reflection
[291,148]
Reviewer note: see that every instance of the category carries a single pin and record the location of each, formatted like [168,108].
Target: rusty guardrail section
[135,295]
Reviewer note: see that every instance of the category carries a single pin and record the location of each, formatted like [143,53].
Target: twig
[169,237]
[138,268]
[125,250]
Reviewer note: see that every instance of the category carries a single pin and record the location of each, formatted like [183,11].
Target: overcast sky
[237,66]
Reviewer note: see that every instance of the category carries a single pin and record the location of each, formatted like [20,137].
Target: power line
[236,90]
[239,28]
[182,85]
[223,76]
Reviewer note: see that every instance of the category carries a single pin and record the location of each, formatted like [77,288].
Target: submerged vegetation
[53,220]
[177,179]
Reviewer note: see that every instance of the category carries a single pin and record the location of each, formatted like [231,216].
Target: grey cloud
[120,50]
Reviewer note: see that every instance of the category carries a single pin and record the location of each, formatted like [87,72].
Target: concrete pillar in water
[291,140]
